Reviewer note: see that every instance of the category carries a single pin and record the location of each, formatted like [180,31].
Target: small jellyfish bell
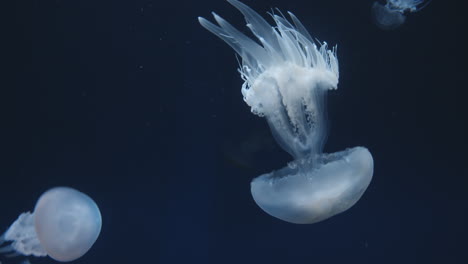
[286,76]
[64,225]
[392,14]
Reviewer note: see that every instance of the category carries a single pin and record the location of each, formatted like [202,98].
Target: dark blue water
[135,104]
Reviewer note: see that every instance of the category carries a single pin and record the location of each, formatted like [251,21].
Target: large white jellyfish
[392,14]
[286,77]
[64,225]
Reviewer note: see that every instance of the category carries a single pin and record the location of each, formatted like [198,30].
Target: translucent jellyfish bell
[64,225]
[286,77]
[392,14]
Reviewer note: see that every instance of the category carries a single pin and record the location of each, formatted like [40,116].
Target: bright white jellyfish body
[392,14]
[286,79]
[64,225]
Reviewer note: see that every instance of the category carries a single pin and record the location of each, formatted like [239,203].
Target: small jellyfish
[286,76]
[64,225]
[393,14]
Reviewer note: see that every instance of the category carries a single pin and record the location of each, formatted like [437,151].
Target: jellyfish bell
[286,76]
[393,13]
[308,191]
[64,225]
[387,18]
[67,223]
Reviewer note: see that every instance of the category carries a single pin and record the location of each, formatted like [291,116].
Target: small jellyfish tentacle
[6,249]
[334,67]
[12,255]
[250,51]
[250,46]
[422,5]
[289,47]
[258,25]
[300,27]
[294,41]
[274,56]
[307,50]
[23,236]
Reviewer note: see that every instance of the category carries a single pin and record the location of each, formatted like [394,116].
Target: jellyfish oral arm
[24,237]
[292,99]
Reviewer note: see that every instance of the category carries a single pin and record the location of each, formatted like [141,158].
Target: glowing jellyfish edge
[64,225]
[285,81]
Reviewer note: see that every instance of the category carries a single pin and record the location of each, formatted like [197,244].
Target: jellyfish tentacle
[239,42]
[300,27]
[422,5]
[257,24]
[6,249]
[13,254]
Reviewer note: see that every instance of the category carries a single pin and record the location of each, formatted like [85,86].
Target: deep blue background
[135,104]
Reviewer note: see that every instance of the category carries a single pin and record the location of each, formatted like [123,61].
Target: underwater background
[138,106]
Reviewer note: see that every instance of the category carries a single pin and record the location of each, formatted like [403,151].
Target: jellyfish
[393,14]
[286,76]
[64,225]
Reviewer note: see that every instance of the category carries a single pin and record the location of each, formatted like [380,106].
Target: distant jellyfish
[286,77]
[64,225]
[392,14]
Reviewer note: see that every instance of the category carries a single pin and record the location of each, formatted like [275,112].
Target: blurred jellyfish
[286,78]
[64,225]
[392,14]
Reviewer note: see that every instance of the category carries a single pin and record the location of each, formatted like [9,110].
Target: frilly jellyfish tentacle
[23,234]
[286,76]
